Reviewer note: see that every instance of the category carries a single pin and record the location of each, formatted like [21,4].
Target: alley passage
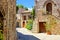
[24,34]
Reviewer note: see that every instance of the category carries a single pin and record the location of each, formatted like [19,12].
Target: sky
[25,3]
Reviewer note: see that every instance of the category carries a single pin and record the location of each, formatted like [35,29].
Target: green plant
[1,35]
[50,23]
[25,8]
[21,6]
[29,24]
[33,13]
[29,27]
[47,26]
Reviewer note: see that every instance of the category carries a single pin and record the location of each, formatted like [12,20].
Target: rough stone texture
[8,9]
[20,15]
[56,29]
[23,12]
[41,16]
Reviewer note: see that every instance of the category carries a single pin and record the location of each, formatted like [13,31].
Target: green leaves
[33,13]
[1,35]
[47,26]
[28,27]
[50,23]
[29,24]
[21,6]
[25,8]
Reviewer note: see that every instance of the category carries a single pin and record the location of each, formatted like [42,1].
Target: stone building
[23,16]
[18,19]
[7,19]
[44,8]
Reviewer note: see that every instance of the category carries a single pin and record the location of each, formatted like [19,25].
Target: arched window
[49,8]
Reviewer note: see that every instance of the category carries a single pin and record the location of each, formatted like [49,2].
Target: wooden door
[23,24]
[42,27]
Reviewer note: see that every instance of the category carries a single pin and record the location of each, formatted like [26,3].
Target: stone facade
[18,20]
[41,10]
[23,16]
[8,10]
[18,16]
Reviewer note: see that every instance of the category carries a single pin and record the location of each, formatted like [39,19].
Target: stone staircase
[35,26]
[56,28]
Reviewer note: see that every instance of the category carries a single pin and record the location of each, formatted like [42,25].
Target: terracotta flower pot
[48,33]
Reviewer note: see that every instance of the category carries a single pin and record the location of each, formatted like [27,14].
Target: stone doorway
[23,24]
[49,8]
[42,27]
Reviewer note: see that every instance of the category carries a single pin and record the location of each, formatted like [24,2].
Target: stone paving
[24,34]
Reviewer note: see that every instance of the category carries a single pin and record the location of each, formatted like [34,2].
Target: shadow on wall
[26,37]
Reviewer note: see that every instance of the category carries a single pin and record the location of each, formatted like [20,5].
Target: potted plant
[48,28]
[50,24]
[48,32]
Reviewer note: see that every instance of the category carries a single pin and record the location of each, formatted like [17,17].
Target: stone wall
[8,9]
[40,10]
[41,4]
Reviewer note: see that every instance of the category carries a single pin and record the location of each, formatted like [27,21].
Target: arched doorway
[1,25]
[23,24]
[49,8]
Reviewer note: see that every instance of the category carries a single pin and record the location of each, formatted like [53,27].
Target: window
[29,17]
[17,25]
[49,8]
[24,17]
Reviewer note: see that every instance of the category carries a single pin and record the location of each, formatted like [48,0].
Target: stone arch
[49,8]
[53,4]
[49,1]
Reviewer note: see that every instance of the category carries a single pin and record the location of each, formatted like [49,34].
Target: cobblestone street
[24,34]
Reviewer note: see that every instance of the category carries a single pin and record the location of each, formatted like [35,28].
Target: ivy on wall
[50,23]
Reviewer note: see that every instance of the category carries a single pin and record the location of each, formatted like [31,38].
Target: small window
[24,17]
[29,17]
[17,25]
